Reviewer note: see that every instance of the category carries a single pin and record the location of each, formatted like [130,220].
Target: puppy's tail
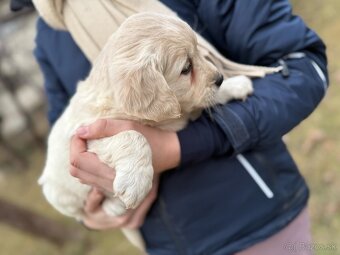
[134,237]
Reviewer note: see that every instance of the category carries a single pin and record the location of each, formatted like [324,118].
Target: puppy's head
[154,69]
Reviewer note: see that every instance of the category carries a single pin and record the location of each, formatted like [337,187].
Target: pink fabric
[295,239]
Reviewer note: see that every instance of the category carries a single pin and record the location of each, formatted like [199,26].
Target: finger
[90,163]
[77,146]
[86,161]
[92,180]
[100,220]
[94,224]
[106,127]
[101,223]
[93,201]
[99,129]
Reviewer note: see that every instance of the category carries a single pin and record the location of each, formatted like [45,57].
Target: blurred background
[28,225]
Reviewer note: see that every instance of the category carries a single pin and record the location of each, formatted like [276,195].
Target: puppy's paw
[131,187]
[238,87]
[132,161]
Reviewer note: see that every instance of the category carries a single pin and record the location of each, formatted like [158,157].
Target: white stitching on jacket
[256,177]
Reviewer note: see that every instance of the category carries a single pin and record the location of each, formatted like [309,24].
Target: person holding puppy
[205,201]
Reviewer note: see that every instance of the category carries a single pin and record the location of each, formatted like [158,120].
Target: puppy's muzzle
[218,79]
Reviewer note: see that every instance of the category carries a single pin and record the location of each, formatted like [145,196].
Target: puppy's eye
[187,68]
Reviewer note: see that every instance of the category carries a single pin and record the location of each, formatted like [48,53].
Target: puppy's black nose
[219,79]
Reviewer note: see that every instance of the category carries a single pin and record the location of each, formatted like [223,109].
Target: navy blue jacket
[210,204]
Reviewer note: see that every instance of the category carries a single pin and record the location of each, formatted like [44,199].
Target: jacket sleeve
[277,106]
[261,32]
[57,97]
[63,65]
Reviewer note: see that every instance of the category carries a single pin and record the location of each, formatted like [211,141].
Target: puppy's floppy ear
[146,95]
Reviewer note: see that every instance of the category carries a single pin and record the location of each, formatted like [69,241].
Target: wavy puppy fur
[150,71]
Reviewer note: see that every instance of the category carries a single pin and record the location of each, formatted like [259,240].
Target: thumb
[99,129]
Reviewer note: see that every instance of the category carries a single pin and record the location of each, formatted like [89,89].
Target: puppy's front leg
[130,155]
[238,87]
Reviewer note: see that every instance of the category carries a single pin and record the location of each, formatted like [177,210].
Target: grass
[314,145]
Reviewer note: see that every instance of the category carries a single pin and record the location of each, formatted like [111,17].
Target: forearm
[277,106]
[166,151]
[201,140]
[164,144]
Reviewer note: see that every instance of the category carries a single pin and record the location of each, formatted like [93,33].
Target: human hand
[89,170]
[96,218]
[86,166]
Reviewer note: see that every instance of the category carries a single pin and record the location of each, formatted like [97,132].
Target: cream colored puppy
[149,71]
